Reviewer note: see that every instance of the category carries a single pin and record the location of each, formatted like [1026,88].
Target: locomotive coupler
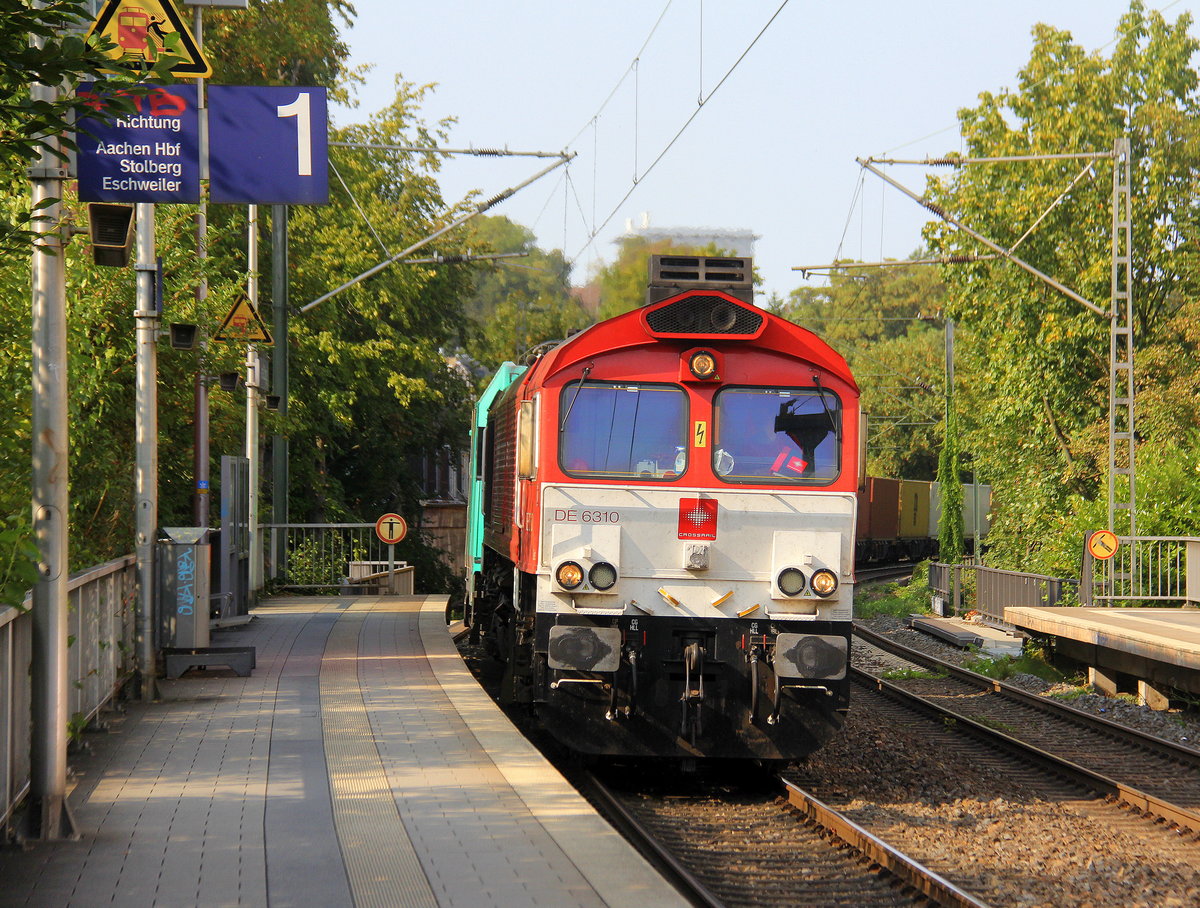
[693,688]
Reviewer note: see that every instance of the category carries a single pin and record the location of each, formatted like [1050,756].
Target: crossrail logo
[697,518]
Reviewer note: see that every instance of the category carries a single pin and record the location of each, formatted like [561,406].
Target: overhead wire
[682,129]
[624,76]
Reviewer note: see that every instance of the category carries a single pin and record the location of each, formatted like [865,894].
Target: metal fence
[330,557]
[1145,570]
[989,591]
[101,657]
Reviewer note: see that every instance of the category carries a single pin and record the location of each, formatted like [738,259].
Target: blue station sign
[268,145]
[152,155]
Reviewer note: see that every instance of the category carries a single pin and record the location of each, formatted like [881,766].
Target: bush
[896,599]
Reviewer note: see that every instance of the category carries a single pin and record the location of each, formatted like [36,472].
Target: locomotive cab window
[623,431]
[777,435]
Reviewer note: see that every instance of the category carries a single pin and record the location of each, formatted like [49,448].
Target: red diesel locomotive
[662,532]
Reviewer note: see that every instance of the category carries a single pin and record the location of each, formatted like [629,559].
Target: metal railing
[989,591]
[326,557]
[1145,570]
[101,658]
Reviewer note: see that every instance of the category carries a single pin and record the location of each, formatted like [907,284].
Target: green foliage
[1035,362]
[1048,537]
[308,564]
[280,42]
[623,282]
[952,544]
[1031,662]
[896,599]
[76,726]
[371,387]
[18,562]
[517,303]
[886,322]
[44,44]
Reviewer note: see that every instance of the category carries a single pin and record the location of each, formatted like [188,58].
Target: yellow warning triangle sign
[142,31]
[243,323]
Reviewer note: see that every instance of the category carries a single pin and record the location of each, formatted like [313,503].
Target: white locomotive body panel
[721,568]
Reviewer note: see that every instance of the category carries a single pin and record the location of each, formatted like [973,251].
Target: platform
[1154,647]
[964,634]
[360,764]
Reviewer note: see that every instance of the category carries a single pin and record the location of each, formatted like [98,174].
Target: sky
[771,150]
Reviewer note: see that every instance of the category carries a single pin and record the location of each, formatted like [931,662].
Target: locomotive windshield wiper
[821,394]
[586,371]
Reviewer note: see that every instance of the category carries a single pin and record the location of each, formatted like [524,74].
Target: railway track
[729,844]
[1012,824]
[880,572]
[1157,777]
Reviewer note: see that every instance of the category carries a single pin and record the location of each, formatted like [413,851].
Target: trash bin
[183,588]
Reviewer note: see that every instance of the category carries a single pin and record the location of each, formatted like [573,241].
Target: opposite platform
[360,764]
[1156,646]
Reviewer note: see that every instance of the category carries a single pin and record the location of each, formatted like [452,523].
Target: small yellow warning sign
[1103,544]
[143,31]
[243,323]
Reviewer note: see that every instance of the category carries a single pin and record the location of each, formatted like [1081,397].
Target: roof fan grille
[704,316]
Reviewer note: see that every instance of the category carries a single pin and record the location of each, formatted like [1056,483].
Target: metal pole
[146,442]
[252,387]
[1007,253]
[50,817]
[200,433]
[391,582]
[478,210]
[200,454]
[279,380]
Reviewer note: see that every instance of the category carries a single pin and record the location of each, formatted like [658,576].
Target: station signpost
[152,155]
[391,528]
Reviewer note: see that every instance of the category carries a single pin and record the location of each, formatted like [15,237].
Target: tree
[1037,403]
[44,44]
[371,387]
[886,322]
[952,544]
[623,283]
[520,302]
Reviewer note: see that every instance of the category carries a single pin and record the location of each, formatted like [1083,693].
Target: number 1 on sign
[300,110]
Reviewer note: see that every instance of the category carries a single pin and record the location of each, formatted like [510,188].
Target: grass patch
[996,725]
[912,674]
[1072,694]
[899,600]
[1003,667]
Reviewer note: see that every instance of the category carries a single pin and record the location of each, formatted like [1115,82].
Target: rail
[101,658]
[989,591]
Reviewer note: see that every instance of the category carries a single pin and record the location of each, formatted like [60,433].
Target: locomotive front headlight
[824,583]
[569,575]
[602,576]
[790,581]
[703,365]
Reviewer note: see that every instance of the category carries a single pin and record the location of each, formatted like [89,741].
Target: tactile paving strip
[380,861]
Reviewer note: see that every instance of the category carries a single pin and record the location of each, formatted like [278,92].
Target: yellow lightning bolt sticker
[700,435]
